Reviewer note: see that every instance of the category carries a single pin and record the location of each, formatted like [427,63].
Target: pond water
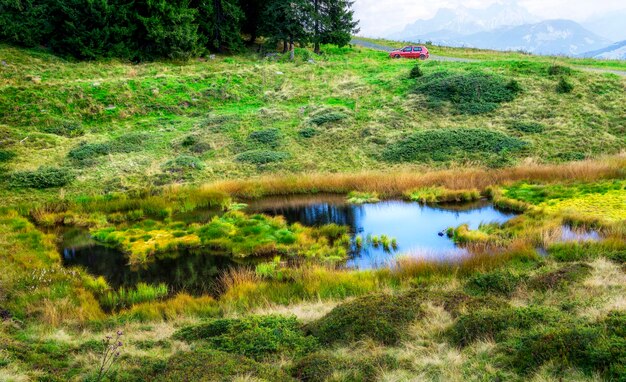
[417,229]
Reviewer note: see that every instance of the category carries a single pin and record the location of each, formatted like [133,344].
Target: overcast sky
[380,17]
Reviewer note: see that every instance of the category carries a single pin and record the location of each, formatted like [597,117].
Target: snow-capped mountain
[463,21]
[550,37]
[615,51]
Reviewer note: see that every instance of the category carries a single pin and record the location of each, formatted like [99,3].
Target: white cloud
[381,17]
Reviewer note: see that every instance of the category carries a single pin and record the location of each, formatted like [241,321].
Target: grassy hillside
[103,147]
[114,126]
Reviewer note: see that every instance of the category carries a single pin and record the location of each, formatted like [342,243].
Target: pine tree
[220,22]
[339,24]
[286,21]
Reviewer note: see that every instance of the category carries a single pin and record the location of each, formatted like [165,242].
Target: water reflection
[193,272]
[416,227]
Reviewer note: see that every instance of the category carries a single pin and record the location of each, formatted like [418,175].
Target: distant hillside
[551,37]
[463,21]
[615,51]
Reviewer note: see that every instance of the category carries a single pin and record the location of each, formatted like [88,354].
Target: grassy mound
[566,275]
[468,93]
[594,347]
[182,164]
[254,336]
[261,157]
[529,127]
[44,177]
[86,153]
[380,317]
[447,144]
[205,365]
[499,324]
[268,137]
[500,282]
[68,129]
[442,195]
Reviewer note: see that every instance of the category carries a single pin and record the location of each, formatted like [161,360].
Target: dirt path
[371,45]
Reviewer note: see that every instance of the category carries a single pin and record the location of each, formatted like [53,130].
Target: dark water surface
[416,228]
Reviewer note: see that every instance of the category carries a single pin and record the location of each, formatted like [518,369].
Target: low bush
[69,129]
[559,70]
[44,177]
[499,324]
[316,367]
[127,143]
[446,144]
[268,137]
[383,318]
[564,86]
[593,347]
[195,144]
[261,157]
[327,116]
[560,277]
[499,282]
[308,132]
[469,92]
[254,336]
[182,164]
[416,72]
[529,127]
[207,365]
[6,156]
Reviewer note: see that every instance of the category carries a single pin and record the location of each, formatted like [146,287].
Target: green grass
[238,116]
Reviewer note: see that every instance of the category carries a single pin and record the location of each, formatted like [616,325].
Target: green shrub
[327,117]
[564,86]
[127,143]
[528,127]
[381,317]
[468,93]
[44,177]
[308,132]
[499,324]
[182,164]
[562,276]
[444,144]
[594,347]
[207,365]
[316,367]
[85,151]
[69,129]
[558,70]
[261,157]
[195,144]
[416,72]
[253,336]
[500,282]
[268,137]
[6,156]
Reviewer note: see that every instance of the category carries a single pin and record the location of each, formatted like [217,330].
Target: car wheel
[396,56]
[422,56]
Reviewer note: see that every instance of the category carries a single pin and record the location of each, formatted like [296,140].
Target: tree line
[149,29]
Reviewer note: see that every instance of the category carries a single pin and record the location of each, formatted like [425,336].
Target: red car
[411,51]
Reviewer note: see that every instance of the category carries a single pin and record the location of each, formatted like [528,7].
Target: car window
[417,49]
[407,49]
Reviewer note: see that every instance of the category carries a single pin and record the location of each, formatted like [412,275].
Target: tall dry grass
[396,183]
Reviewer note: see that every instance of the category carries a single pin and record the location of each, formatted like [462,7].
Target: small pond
[416,228]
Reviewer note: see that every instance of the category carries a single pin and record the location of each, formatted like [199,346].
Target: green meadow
[124,151]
